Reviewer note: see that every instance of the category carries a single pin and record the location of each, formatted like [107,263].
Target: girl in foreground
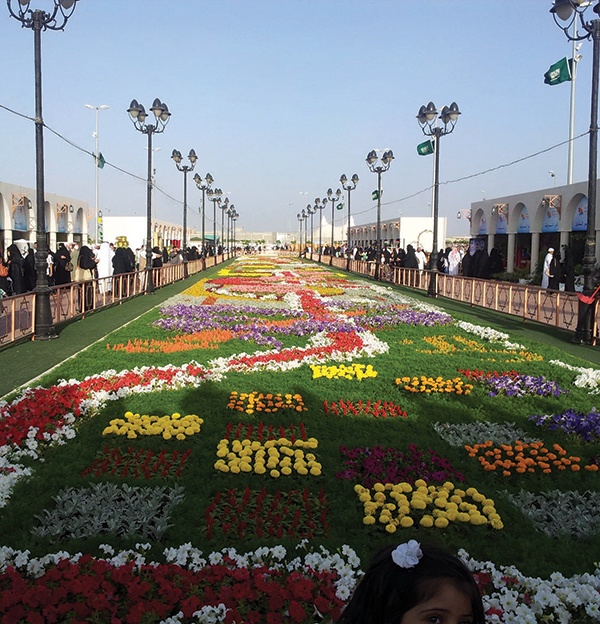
[415,584]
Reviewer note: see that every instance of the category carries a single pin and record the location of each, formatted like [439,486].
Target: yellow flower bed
[276,457]
[174,426]
[401,505]
[430,385]
[329,291]
[353,371]
[259,402]
[442,345]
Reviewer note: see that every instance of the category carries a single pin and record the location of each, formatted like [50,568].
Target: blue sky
[280,97]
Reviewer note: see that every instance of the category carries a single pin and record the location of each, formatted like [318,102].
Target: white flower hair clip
[407,555]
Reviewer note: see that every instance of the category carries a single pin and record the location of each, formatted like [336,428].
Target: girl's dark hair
[387,591]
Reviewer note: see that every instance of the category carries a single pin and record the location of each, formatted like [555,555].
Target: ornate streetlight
[230,212]
[234,218]
[320,205]
[176,156]
[138,116]
[203,185]
[348,187]
[214,195]
[386,161]
[428,118]
[224,207]
[332,198]
[38,20]
[311,211]
[301,221]
[572,14]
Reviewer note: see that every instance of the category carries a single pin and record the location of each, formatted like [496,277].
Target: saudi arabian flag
[426,148]
[101,161]
[375,195]
[340,206]
[559,72]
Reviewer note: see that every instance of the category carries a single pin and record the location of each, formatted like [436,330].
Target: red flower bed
[96,591]
[136,463]
[376,409]
[242,514]
[262,432]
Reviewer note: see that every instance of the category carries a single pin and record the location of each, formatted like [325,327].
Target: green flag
[375,195]
[559,72]
[340,206]
[423,149]
[101,161]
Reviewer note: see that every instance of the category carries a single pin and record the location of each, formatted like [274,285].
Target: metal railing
[531,303]
[76,299]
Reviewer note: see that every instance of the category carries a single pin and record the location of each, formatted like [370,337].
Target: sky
[279,98]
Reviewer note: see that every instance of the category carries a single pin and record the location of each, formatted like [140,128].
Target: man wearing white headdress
[546,270]
[105,268]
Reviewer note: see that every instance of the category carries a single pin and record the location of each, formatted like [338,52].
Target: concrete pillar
[535,250]
[490,242]
[510,253]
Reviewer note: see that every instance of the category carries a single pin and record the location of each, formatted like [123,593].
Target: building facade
[522,227]
[67,218]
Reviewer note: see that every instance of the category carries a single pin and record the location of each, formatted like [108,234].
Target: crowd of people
[72,262]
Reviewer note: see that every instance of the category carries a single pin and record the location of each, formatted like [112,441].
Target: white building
[415,231]
[67,218]
[164,234]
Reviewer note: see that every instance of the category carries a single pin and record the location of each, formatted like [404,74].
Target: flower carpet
[240,453]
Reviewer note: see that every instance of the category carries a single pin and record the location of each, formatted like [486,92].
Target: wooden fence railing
[17,313]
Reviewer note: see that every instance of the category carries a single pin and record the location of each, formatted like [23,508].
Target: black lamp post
[320,205]
[301,221]
[348,187]
[176,156]
[311,211]
[234,218]
[230,212]
[572,13]
[214,195]
[386,161]
[38,20]
[224,208]
[203,185]
[428,117]
[138,116]
[332,198]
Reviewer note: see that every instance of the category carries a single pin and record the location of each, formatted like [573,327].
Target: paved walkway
[21,363]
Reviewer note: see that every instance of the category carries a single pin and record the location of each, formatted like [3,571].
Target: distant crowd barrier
[77,299]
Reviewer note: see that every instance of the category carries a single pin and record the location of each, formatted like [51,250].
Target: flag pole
[574,64]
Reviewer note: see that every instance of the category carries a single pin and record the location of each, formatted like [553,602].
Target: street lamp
[230,212]
[215,195]
[223,209]
[38,20]
[332,198]
[311,211]
[348,187]
[99,164]
[203,185]
[386,161]
[234,218]
[301,221]
[176,156]
[428,118]
[320,205]
[576,28]
[138,115]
